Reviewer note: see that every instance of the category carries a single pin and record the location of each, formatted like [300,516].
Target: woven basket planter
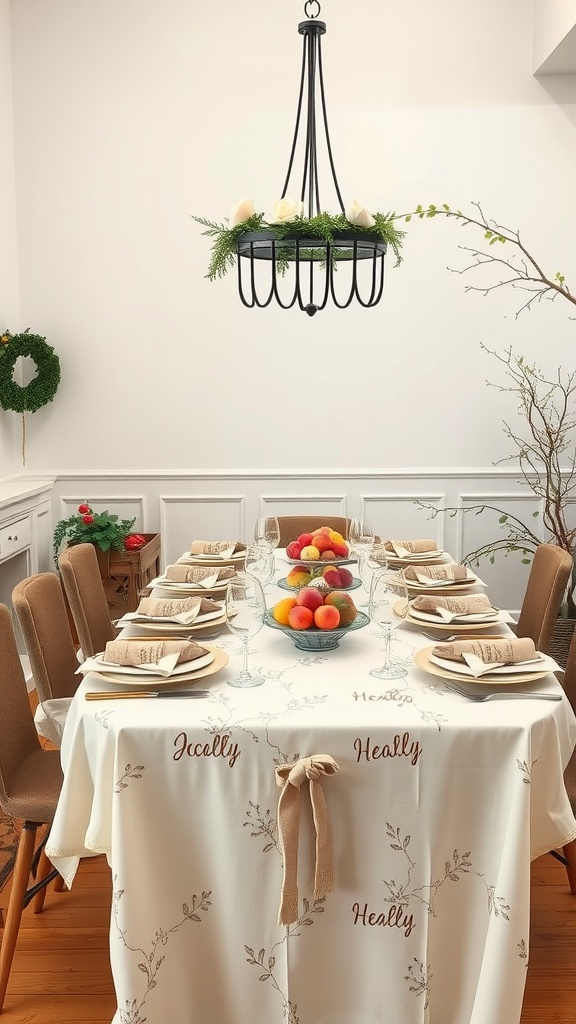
[561,640]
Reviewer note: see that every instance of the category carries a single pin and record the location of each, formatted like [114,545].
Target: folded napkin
[216,547]
[436,572]
[186,610]
[150,652]
[411,547]
[291,777]
[503,651]
[195,574]
[474,604]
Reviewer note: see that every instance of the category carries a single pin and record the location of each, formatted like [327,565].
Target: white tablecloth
[436,811]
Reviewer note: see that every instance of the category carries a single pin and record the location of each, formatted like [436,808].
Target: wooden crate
[129,572]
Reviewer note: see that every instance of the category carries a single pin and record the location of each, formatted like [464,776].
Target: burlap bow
[291,777]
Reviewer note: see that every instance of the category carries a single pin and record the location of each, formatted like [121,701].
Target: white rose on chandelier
[240,212]
[359,215]
[284,211]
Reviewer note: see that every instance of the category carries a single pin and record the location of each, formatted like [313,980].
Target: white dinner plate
[184,668]
[211,560]
[179,627]
[539,664]
[151,682]
[423,558]
[422,660]
[166,621]
[472,618]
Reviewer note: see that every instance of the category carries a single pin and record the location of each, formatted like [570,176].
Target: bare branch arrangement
[547,460]
[519,267]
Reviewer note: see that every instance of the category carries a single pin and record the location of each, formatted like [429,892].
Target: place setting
[414,552]
[471,664]
[456,614]
[157,665]
[438,579]
[214,553]
[189,580]
[174,616]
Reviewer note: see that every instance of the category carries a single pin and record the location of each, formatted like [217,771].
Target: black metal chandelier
[302,268]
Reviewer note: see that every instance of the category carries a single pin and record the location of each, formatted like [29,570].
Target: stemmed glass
[260,564]
[245,609]
[360,536]
[388,607]
[371,561]
[267,532]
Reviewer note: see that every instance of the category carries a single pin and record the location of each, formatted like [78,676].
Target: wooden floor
[61,971]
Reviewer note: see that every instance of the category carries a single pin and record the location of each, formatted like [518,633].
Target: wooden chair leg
[44,867]
[59,884]
[570,854]
[15,906]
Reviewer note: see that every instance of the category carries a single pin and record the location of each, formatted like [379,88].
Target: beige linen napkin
[414,547]
[216,547]
[504,651]
[474,604]
[436,572]
[291,777]
[195,574]
[185,610]
[149,652]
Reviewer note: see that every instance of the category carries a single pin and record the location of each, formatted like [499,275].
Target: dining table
[395,890]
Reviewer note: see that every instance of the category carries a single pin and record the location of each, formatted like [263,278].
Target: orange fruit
[282,610]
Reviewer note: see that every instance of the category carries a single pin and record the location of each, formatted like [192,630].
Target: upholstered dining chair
[30,783]
[568,681]
[546,586]
[292,526]
[39,605]
[84,589]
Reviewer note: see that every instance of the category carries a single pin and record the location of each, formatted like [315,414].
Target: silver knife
[131,694]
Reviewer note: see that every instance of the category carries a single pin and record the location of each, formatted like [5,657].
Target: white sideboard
[25,536]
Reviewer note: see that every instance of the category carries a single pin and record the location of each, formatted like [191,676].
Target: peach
[344,604]
[346,577]
[327,556]
[294,549]
[337,537]
[299,576]
[310,597]
[333,578]
[326,617]
[321,529]
[304,540]
[309,554]
[282,610]
[300,617]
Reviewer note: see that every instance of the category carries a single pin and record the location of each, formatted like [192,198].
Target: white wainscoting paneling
[184,518]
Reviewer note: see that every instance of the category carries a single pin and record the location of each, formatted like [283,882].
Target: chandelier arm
[314,188]
[375,296]
[241,286]
[353,286]
[283,305]
[298,115]
[326,131]
[307,147]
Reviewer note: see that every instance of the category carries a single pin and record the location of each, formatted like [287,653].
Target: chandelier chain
[312,9]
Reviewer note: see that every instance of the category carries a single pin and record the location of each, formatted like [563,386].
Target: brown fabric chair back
[26,789]
[547,584]
[568,679]
[86,597]
[292,526]
[41,611]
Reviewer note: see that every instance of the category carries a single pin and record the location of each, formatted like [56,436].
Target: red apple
[346,577]
[340,550]
[333,578]
[304,540]
[310,597]
[293,550]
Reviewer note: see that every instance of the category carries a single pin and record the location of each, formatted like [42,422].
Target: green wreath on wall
[41,389]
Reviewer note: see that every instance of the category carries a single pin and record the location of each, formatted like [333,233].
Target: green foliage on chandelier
[42,387]
[322,226]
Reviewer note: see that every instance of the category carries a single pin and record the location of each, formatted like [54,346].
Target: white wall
[9,302]
[554,22]
[130,117]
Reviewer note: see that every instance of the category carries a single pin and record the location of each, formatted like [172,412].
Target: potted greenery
[106,532]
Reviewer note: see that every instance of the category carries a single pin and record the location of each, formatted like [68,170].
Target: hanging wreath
[43,387]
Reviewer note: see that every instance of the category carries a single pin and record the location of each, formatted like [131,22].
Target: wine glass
[388,607]
[370,561]
[360,536]
[245,609]
[267,532]
[260,564]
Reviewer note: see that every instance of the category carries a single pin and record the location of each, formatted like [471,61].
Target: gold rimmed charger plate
[458,587]
[212,562]
[189,590]
[445,627]
[151,682]
[422,660]
[396,560]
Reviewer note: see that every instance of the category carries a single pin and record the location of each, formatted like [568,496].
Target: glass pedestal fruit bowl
[314,639]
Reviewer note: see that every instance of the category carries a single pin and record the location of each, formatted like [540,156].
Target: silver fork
[480,698]
[439,639]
